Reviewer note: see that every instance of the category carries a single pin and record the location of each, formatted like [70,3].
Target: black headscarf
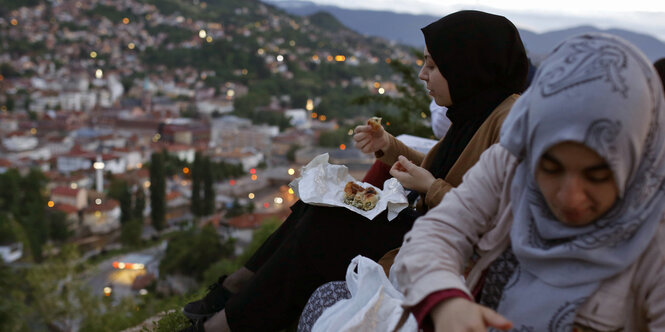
[483,59]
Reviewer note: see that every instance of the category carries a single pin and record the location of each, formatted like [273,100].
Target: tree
[139,205]
[412,104]
[131,232]
[59,230]
[157,191]
[192,251]
[196,205]
[119,190]
[208,188]
[31,211]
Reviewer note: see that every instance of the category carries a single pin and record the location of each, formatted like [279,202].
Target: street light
[98,165]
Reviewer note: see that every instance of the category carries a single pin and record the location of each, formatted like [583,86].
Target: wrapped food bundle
[325,184]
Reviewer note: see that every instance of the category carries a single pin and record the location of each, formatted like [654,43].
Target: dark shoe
[197,326]
[209,305]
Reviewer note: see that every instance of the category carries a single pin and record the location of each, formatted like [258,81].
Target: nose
[571,194]
[421,74]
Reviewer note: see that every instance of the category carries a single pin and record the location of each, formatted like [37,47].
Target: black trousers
[312,247]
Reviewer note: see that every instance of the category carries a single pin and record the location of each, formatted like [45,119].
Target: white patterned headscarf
[598,90]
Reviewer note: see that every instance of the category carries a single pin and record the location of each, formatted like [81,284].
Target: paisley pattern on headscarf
[600,91]
[483,59]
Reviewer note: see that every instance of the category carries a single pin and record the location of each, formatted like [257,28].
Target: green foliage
[157,191]
[208,207]
[119,190]
[334,138]
[112,13]
[411,103]
[175,34]
[13,309]
[58,228]
[196,205]
[237,209]
[291,153]
[326,21]
[131,233]
[139,205]
[192,251]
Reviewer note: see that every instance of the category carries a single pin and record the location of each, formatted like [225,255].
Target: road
[121,280]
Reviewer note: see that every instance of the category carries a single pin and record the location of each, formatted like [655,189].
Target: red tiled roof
[5,163]
[107,205]
[64,191]
[173,195]
[66,208]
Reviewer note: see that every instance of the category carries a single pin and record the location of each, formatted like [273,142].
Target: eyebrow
[600,167]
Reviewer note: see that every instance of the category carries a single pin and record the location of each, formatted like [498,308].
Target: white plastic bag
[375,304]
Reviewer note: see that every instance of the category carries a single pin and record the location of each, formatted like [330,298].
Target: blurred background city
[146,146]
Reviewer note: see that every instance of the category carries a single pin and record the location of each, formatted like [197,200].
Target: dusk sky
[645,16]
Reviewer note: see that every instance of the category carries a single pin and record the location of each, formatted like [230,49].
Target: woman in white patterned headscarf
[563,218]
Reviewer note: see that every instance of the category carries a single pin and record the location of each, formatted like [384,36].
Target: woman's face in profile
[437,85]
[577,183]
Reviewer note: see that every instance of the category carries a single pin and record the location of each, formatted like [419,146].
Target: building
[78,198]
[102,218]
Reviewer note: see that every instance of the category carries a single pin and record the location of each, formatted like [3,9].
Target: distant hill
[405,28]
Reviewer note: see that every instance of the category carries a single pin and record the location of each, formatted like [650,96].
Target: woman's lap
[318,249]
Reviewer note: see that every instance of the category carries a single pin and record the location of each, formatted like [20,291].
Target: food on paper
[375,123]
[362,198]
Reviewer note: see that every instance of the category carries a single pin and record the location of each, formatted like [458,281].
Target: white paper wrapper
[321,183]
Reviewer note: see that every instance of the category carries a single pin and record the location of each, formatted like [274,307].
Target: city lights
[266,205]
[291,171]
[73,185]
[255,177]
[131,46]
[185,170]
[51,204]
[260,51]
[125,20]
[350,132]
[230,93]
[342,147]
[232,182]
[278,200]
[146,184]
[14,22]
[251,196]
[340,58]
[322,117]
[99,73]
[423,115]
[310,105]
[252,171]
[33,131]
[202,33]
[98,201]
[280,58]
[107,291]
[209,39]
[377,85]
[98,165]
[93,54]
[382,91]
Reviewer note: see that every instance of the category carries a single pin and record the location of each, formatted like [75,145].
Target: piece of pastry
[370,198]
[350,191]
[374,122]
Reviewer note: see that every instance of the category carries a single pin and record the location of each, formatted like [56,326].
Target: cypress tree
[139,205]
[196,205]
[157,191]
[208,188]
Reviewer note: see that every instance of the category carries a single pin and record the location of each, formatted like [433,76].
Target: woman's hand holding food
[411,176]
[371,137]
[459,314]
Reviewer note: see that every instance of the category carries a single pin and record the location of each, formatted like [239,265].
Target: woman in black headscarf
[475,64]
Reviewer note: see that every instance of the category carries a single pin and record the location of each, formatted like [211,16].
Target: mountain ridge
[405,28]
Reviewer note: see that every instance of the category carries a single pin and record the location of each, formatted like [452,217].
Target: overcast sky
[646,16]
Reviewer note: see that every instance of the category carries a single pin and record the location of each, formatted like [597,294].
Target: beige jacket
[477,216]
